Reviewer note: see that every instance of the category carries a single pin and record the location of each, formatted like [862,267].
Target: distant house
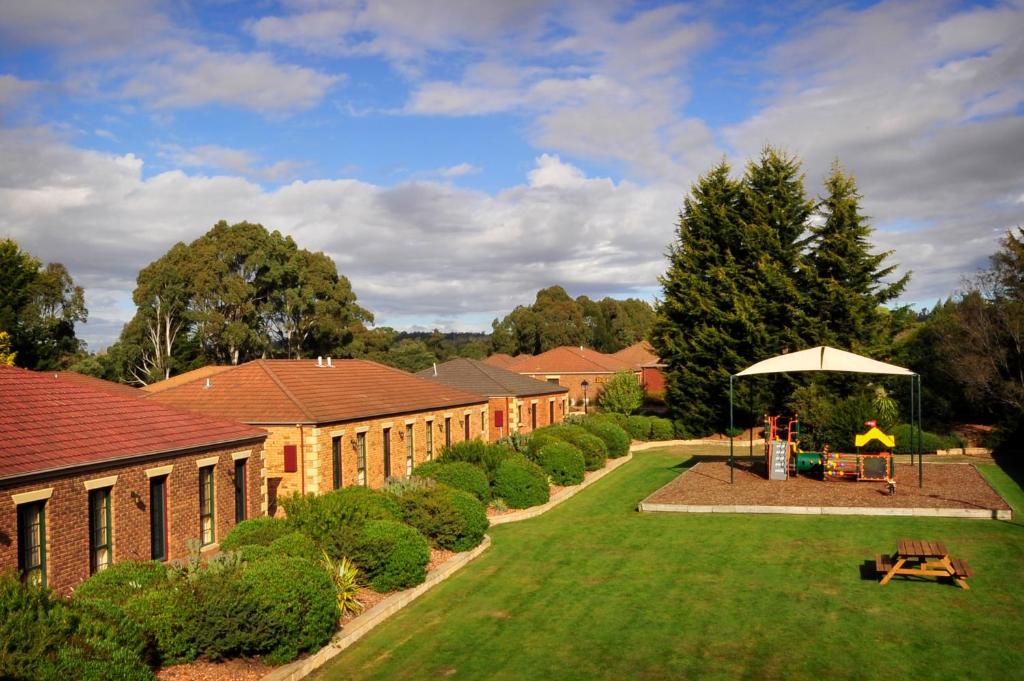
[91,475]
[499,359]
[334,423]
[517,403]
[569,366]
[642,356]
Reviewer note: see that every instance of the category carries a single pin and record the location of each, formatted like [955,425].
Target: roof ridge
[495,379]
[288,393]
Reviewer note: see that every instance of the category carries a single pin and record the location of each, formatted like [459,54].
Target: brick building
[334,423]
[569,366]
[516,403]
[642,356]
[90,475]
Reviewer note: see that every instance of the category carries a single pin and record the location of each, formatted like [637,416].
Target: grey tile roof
[485,379]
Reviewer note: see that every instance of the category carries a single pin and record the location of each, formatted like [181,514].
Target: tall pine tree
[847,285]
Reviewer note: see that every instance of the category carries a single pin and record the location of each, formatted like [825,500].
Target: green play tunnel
[808,462]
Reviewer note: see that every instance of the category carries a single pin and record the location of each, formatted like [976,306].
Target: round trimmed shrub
[296,545]
[615,417]
[260,531]
[458,474]
[538,439]
[593,448]
[122,581]
[563,462]
[296,599]
[168,616]
[451,518]
[639,427]
[662,429]
[615,438]
[479,453]
[392,555]
[521,483]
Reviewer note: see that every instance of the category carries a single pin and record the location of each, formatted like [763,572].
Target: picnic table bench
[920,558]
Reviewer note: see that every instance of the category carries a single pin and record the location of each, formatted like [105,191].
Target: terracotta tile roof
[639,355]
[187,377]
[298,391]
[483,379]
[98,383]
[569,359]
[50,423]
[499,359]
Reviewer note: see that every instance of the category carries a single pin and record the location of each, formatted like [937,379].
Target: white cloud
[13,89]
[418,248]
[458,170]
[237,161]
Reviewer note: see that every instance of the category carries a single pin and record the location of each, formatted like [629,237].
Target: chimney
[319,361]
[208,385]
[435,368]
[329,363]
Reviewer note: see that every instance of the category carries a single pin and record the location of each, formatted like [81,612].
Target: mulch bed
[945,486]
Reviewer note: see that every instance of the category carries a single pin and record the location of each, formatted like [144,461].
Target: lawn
[595,590]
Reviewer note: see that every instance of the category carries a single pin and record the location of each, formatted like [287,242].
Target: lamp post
[585,384]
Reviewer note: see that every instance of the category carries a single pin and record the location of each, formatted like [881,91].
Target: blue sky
[454,157]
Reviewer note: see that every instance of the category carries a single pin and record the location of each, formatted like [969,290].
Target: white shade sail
[823,358]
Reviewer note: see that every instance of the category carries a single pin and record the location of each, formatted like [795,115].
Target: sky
[454,157]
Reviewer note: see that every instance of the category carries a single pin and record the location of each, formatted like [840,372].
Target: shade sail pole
[732,472]
[910,445]
[920,464]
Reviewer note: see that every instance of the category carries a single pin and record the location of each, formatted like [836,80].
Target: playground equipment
[784,458]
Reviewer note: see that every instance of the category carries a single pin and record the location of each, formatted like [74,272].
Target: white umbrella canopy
[823,358]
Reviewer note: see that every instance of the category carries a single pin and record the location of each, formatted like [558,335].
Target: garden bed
[949,490]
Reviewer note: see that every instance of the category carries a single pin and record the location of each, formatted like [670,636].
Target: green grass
[595,590]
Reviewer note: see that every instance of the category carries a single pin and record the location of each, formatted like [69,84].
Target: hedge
[451,518]
[615,438]
[563,462]
[458,474]
[335,519]
[639,427]
[593,448]
[296,545]
[479,453]
[521,483]
[662,429]
[261,531]
[391,555]
[297,604]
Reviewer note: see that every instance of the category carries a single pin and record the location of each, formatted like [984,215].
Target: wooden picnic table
[923,558]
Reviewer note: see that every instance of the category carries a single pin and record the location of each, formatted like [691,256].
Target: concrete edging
[561,496]
[370,619]
[979,513]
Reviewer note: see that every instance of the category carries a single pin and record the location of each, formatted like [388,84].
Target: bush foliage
[479,453]
[296,545]
[615,438]
[458,474]
[639,427]
[391,555]
[450,518]
[334,520]
[592,447]
[261,531]
[622,394]
[521,483]
[563,462]
[121,581]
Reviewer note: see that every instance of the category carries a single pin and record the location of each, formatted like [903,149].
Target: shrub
[930,442]
[661,429]
[297,605]
[521,483]
[261,531]
[168,616]
[622,394]
[335,519]
[681,431]
[615,417]
[479,453]
[392,555]
[615,438]
[450,518]
[538,439]
[252,552]
[227,620]
[592,447]
[639,427]
[563,462]
[457,474]
[345,576]
[122,581]
[296,545]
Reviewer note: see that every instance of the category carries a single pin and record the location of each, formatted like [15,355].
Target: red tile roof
[569,359]
[294,391]
[187,377]
[499,359]
[98,383]
[639,354]
[49,423]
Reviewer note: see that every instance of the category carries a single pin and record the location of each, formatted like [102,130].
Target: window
[240,485]
[408,449]
[387,453]
[483,421]
[100,544]
[32,542]
[533,416]
[447,431]
[336,462]
[551,412]
[361,458]
[206,505]
[553,380]
[465,428]
[158,517]
[519,418]
[430,440]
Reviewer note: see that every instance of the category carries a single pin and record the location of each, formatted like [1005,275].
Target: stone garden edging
[369,620]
